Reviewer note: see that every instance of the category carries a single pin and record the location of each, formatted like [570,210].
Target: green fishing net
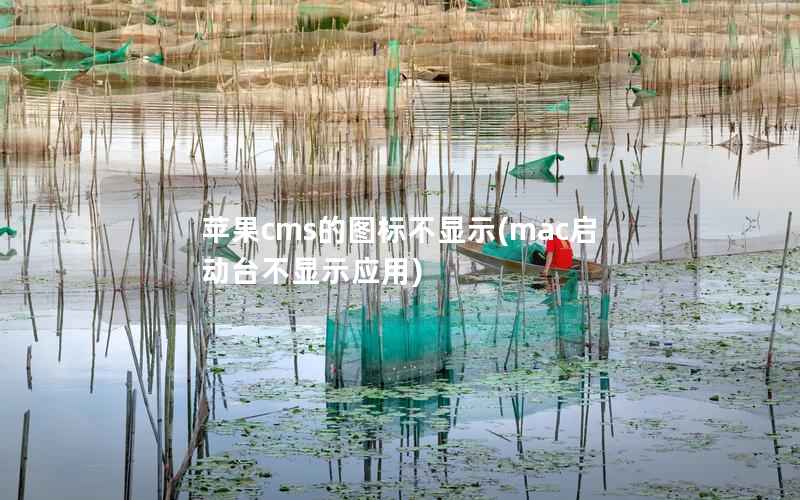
[392,81]
[476,5]
[561,106]
[313,17]
[791,50]
[115,56]
[220,248]
[537,169]
[733,35]
[640,92]
[641,95]
[513,250]
[392,76]
[39,68]
[155,58]
[636,60]
[26,63]
[7,20]
[154,20]
[399,344]
[55,41]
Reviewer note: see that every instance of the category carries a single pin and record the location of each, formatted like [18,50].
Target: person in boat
[558,254]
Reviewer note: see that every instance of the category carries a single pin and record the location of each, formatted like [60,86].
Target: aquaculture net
[791,51]
[537,169]
[392,77]
[331,15]
[7,20]
[514,249]
[115,56]
[565,311]
[55,40]
[399,344]
[476,5]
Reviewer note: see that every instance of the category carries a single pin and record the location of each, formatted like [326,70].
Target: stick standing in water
[778,296]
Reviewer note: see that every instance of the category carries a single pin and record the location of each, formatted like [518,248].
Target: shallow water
[682,425]
[687,421]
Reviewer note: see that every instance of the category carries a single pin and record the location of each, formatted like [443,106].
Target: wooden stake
[130,432]
[661,195]
[28,369]
[23,455]
[778,296]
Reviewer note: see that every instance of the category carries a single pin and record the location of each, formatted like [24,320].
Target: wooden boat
[475,251]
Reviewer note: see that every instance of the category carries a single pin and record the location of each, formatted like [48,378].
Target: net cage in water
[415,341]
[411,344]
[565,310]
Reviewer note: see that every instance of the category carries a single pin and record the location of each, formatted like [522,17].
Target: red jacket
[562,253]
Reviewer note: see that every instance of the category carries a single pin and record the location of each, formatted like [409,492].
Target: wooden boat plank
[475,251]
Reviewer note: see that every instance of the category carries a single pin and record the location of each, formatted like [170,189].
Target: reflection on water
[476,384]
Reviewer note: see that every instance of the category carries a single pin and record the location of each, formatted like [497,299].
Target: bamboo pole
[28,368]
[661,194]
[778,296]
[23,455]
[130,433]
[474,170]
[689,218]
[616,218]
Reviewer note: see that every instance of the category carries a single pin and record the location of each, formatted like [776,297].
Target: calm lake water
[676,408]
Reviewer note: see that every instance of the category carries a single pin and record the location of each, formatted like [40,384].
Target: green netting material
[155,59]
[605,302]
[415,341]
[733,35]
[392,81]
[537,169]
[26,63]
[39,68]
[562,106]
[7,20]
[640,92]
[412,342]
[791,50]
[725,73]
[567,317]
[154,20]
[313,17]
[476,5]
[513,250]
[220,248]
[392,77]
[6,5]
[636,60]
[115,56]
[54,40]
[569,288]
